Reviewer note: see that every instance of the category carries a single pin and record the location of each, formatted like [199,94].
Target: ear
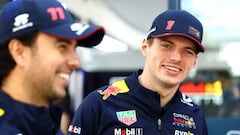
[16,49]
[144,47]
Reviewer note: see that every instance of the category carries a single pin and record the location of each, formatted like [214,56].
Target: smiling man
[38,40]
[149,102]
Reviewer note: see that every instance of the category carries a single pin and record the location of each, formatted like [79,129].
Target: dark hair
[150,41]
[7,62]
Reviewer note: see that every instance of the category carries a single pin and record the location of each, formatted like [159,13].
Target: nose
[73,61]
[175,55]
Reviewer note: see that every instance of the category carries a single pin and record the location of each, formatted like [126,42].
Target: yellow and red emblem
[114,89]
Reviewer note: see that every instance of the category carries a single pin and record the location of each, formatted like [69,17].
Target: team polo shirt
[17,118]
[127,108]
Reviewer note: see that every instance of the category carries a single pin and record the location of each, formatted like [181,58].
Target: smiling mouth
[64,76]
[172,68]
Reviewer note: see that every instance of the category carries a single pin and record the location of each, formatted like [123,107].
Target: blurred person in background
[231,96]
[230,86]
[38,40]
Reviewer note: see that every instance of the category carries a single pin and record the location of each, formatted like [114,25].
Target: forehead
[174,38]
[179,40]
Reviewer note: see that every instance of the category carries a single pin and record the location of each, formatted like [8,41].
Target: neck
[20,93]
[166,93]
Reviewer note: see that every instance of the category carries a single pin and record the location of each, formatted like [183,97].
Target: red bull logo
[183,120]
[114,89]
[111,90]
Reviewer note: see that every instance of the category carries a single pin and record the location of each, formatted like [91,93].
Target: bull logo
[114,89]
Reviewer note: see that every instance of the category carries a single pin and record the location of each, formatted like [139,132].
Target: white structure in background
[126,20]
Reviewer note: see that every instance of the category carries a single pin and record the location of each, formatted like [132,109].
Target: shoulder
[106,94]
[190,106]
[6,114]
[6,105]
[113,90]
[92,100]
[187,107]
[188,102]
[3,114]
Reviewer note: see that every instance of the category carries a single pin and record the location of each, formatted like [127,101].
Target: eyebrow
[67,41]
[169,41]
[166,40]
[64,40]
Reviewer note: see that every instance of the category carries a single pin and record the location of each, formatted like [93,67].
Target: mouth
[64,76]
[172,68]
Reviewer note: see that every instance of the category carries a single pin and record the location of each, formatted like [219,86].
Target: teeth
[172,68]
[65,76]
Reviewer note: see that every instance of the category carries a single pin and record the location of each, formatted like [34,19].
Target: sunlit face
[50,64]
[169,59]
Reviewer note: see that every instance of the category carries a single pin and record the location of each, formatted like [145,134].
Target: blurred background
[214,84]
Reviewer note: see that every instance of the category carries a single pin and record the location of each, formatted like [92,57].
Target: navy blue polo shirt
[17,118]
[127,108]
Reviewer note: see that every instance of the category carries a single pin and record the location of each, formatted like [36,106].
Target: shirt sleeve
[205,129]
[202,122]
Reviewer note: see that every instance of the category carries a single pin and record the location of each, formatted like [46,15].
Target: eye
[63,46]
[166,45]
[189,51]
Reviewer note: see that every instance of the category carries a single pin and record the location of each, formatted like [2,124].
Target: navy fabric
[178,22]
[18,118]
[136,112]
